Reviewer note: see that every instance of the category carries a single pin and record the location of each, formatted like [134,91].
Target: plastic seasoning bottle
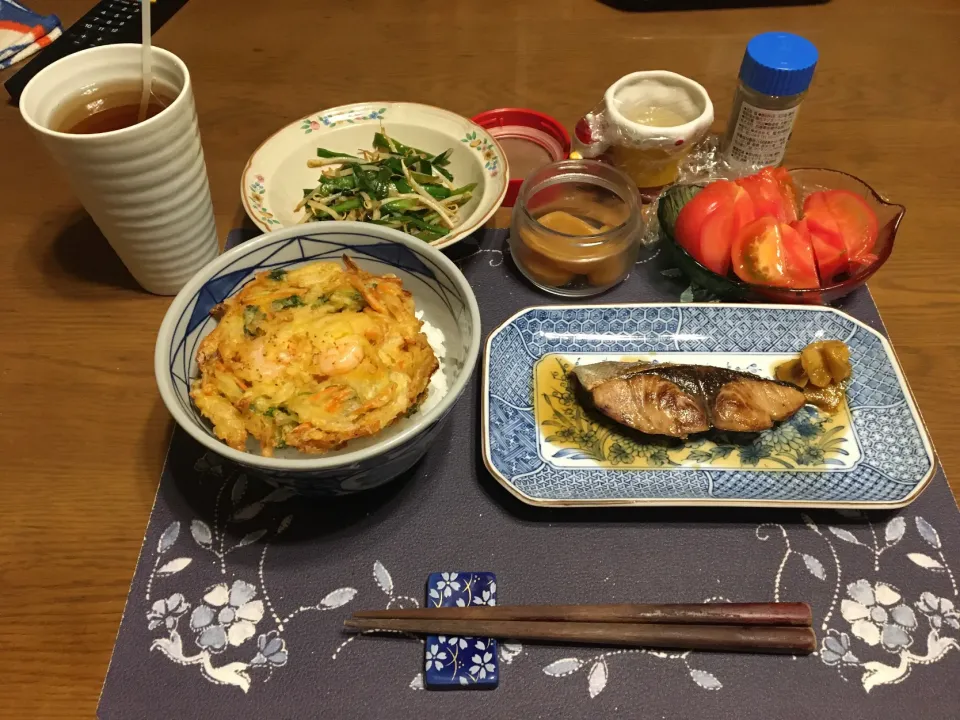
[775,74]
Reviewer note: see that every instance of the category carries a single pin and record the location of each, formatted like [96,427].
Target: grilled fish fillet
[679,400]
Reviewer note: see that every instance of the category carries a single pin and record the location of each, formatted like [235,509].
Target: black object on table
[681,5]
[109,22]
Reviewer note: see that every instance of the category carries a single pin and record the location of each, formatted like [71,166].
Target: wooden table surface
[82,429]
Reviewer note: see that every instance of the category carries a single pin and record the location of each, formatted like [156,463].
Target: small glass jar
[775,75]
[577,226]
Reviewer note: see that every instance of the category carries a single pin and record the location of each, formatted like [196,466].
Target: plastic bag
[706,163]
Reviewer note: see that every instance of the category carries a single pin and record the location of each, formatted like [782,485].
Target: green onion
[397,206]
[424,179]
[426,235]
[287,302]
[324,153]
[417,222]
[252,315]
[364,188]
[347,205]
[437,191]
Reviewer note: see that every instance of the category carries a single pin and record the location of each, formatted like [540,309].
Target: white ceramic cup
[650,154]
[145,185]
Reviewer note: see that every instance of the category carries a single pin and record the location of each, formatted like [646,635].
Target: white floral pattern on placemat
[876,627]
[870,628]
[877,624]
[598,668]
[224,620]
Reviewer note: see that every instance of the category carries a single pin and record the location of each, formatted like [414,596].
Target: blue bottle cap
[778,63]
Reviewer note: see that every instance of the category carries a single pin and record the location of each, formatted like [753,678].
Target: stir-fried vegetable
[393,185]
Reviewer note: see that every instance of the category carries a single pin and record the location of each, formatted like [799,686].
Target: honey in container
[576,227]
[653,115]
[648,121]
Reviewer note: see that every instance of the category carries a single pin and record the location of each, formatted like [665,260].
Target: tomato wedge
[840,215]
[716,238]
[788,192]
[801,267]
[820,220]
[757,253]
[692,216]
[767,252]
[828,250]
[772,193]
[743,210]
[707,224]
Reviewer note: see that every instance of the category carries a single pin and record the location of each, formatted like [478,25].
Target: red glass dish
[807,180]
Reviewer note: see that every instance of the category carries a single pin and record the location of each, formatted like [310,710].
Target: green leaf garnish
[252,316]
[288,302]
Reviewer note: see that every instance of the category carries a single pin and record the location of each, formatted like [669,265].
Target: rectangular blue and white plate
[541,445]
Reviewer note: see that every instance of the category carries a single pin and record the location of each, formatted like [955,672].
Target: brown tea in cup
[113,106]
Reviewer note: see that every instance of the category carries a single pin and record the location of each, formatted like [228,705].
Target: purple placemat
[236,604]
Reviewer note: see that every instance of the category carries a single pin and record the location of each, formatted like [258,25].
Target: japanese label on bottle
[761,136]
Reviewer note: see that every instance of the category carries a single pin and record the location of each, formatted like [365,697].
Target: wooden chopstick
[779,614]
[732,638]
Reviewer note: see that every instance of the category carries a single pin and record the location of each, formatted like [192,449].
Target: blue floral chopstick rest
[461,662]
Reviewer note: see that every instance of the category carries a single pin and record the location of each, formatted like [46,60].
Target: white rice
[438,383]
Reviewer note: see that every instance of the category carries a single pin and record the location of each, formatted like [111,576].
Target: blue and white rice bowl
[444,301]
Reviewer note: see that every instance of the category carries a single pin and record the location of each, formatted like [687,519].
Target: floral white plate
[541,445]
[276,174]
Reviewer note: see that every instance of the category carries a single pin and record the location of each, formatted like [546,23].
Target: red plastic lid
[529,139]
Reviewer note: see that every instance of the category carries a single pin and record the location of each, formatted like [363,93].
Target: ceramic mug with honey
[648,121]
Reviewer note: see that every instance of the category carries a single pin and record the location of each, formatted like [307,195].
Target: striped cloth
[23,32]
